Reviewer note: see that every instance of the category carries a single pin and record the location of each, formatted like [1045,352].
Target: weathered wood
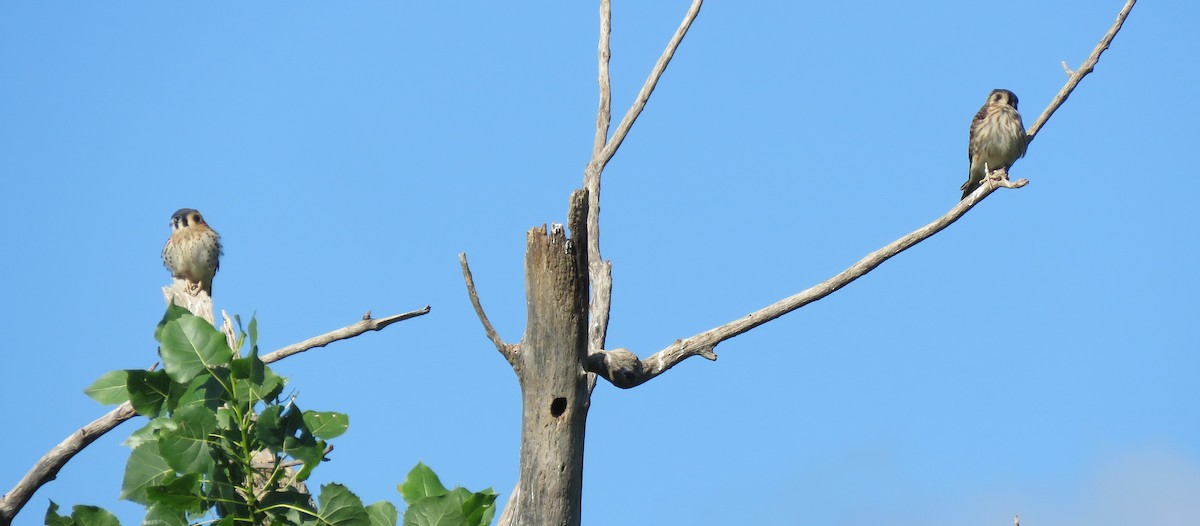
[200,304]
[550,368]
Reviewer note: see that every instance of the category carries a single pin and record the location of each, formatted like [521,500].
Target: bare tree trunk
[550,368]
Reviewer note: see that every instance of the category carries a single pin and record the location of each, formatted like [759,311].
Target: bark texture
[554,383]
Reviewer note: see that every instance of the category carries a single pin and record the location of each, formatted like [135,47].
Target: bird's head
[185,217]
[1002,97]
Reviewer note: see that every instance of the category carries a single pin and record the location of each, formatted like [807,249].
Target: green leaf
[54,519]
[255,381]
[270,387]
[145,468]
[420,483]
[180,494]
[248,368]
[224,491]
[186,448]
[272,427]
[337,506]
[227,420]
[430,504]
[287,504]
[252,329]
[297,441]
[478,507]
[203,391]
[306,450]
[485,518]
[174,312]
[326,425]
[148,432]
[280,429]
[241,336]
[383,513]
[190,345]
[109,389]
[163,515]
[148,390]
[81,516]
[444,510]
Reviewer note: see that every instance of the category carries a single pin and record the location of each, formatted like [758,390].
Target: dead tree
[563,348]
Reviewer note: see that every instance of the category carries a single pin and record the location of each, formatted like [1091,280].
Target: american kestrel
[193,251]
[997,138]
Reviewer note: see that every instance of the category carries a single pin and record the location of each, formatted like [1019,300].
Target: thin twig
[505,349]
[644,95]
[1087,67]
[604,113]
[349,331]
[47,468]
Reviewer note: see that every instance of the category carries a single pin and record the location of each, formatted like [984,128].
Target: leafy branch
[221,443]
[47,468]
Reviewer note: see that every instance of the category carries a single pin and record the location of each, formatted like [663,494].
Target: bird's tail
[974,179]
[968,187]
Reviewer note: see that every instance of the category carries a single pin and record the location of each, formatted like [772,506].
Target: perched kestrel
[193,251]
[997,138]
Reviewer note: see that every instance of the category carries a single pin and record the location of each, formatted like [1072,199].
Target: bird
[997,138]
[193,251]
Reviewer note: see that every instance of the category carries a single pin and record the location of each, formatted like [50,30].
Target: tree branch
[639,104]
[604,113]
[47,468]
[364,325]
[507,350]
[600,270]
[624,369]
[1077,75]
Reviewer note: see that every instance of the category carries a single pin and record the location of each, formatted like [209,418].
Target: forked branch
[624,369]
[610,147]
[599,270]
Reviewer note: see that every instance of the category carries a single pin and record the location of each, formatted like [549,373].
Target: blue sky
[1038,357]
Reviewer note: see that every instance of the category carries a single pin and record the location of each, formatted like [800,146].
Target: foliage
[431,504]
[222,446]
